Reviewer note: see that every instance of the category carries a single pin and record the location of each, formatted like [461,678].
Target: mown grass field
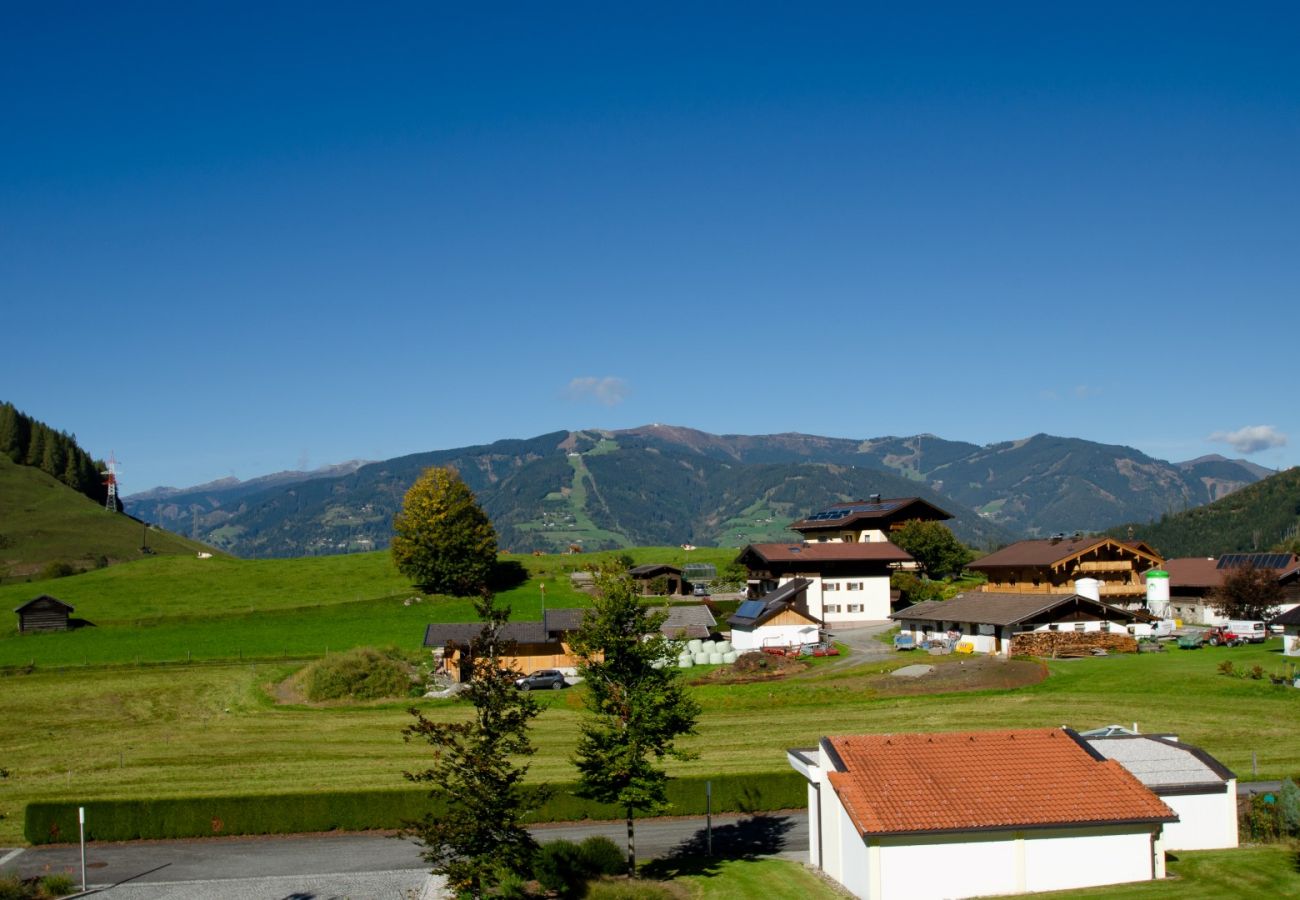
[211,730]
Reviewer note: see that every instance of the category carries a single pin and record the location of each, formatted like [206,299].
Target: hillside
[1255,518]
[43,521]
[670,485]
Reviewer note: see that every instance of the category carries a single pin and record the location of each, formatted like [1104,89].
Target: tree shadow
[759,835]
[74,624]
[506,574]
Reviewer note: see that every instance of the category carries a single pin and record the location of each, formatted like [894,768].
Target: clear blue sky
[235,239]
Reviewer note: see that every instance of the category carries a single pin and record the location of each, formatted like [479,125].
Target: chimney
[875,498]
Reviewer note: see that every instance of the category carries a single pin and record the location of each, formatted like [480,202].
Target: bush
[601,856]
[1227,668]
[360,674]
[912,589]
[58,884]
[558,867]
[57,570]
[14,888]
[1257,672]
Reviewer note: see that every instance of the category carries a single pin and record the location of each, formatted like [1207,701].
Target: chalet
[1191,782]
[1290,624]
[538,645]
[1053,565]
[1193,581]
[644,575]
[848,582]
[780,619]
[1005,623]
[45,613]
[865,521]
[966,814]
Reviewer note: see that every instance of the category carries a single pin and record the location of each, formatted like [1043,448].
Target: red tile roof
[961,781]
[830,551]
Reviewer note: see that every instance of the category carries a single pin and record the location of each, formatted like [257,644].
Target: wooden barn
[45,613]
[645,575]
[538,645]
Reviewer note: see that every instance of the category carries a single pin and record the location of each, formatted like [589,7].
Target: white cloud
[1083,391]
[608,390]
[1251,439]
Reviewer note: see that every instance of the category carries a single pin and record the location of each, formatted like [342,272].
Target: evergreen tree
[36,446]
[12,442]
[637,705]
[477,836]
[442,540]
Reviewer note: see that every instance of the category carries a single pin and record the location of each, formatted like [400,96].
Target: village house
[646,575]
[1054,565]
[1289,621]
[966,814]
[867,521]
[780,619]
[848,582]
[1194,579]
[1012,624]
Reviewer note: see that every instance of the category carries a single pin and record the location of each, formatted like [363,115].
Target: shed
[643,575]
[45,613]
[966,814]
[539,644]
[780,619]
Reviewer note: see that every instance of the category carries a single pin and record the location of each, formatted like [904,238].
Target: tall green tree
[637,706]
[1247,592]
[933,546]
[443,541]
[475,835]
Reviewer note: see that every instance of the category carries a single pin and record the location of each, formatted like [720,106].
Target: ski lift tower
[110,481]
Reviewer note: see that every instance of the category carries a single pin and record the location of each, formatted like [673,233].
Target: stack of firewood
[1071,643]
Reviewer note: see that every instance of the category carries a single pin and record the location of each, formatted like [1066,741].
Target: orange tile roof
[961,781]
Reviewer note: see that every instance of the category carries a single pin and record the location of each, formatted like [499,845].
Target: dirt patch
[754,667]
[980,673]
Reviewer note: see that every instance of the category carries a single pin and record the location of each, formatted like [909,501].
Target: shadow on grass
[506,574]
[759,835]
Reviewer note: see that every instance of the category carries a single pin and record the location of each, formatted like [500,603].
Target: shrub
[1227,668]
[1288,807]
[14,888]
[1257,672]
[58,884]
[360,674]
[558,867]
[57,570]
[601,856]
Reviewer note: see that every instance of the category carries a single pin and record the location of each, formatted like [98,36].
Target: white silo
[1158,593]
[1088,587]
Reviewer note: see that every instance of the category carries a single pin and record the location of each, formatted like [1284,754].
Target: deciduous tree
[443,541]
[476,836]
[1248,592]
[637,706]
[933,546]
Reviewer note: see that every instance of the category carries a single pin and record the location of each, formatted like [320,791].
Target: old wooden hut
[45,613]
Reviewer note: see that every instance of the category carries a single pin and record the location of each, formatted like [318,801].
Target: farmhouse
[1191,782]
[848,582]
[1052,565]
[538,645]
[780,619]
[45,613]
[867,520]
[965,814]
[1193,581]
[645,576]
[1290,622]
[1011,624]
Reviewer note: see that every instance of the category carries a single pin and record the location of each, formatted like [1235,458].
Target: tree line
[30,442]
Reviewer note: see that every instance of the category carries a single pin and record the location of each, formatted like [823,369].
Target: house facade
[848,582]
[44,613]
[780,619]
[1010,624]
[1054,565]
[967,814]
[1290,623]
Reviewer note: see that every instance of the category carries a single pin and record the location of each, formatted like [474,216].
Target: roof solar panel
[750,609]
[1258,560]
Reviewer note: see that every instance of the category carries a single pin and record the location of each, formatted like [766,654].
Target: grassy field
[209,730]
[45,521]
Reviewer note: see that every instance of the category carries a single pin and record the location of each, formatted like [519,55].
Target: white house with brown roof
[1054,565]
[968,814]
[780,619]
[848,582]
[867,521]
[1290,622]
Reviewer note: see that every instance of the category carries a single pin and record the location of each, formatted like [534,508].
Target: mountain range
[663,484]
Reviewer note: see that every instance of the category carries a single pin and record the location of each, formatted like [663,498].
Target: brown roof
[990,608]
[1290,617]
[553,624]
[888,508]
[649,570]
[830,551]
[961,781]
[1050,552]
[42,600]
[1193,572]
[793,595]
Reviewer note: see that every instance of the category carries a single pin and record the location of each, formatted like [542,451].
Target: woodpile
[1071,643]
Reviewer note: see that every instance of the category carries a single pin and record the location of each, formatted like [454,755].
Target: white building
[780,619]
[848,583]
[968,814]
[1195,785]
[1290,622]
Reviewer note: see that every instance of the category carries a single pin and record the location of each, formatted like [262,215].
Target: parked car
[701,590]
[542,679]
[1249,630]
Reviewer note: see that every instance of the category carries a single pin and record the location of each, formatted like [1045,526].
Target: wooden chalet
[1052,565]
[45,613]
[864,521]
[643,575]
[538,645]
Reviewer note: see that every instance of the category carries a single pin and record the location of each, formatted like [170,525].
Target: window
[1080,626]
[853,586]
[855,607]
[832,607]
[850,537]
[831,586]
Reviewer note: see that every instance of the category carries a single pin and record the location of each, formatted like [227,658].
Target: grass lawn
[744,879]
[177,731]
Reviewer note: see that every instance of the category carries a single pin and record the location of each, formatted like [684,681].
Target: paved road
[302,867]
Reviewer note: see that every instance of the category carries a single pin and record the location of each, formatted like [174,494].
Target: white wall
[773,636]
[1291,640]
[873,596]
[937,867]
[1072,858]
[1205,821]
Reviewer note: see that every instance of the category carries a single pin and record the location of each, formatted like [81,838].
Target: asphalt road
[303,867]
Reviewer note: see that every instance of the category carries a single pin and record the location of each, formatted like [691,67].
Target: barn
[45,613]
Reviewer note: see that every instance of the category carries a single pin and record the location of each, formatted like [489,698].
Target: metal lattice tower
[110,481]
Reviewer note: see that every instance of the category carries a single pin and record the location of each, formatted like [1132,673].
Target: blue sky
[236,240]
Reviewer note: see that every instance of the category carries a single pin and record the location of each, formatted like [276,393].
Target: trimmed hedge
[184,817]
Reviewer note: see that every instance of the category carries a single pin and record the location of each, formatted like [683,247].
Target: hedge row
[184,817]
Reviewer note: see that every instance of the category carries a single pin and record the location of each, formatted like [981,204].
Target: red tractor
[1222,634]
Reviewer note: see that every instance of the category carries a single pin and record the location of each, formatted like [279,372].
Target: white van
[1255,632]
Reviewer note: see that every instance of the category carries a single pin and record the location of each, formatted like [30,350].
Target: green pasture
[1247,872]
[125,732]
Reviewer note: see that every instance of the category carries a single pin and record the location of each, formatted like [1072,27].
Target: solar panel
[750,609]
[840,512]
[1258,560]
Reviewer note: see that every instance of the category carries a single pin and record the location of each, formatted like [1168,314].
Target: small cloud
[1251,439]
[608,390]
[1083,391]
[1048,395]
